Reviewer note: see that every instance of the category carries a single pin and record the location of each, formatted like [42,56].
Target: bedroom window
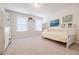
[38,25]
[21,24]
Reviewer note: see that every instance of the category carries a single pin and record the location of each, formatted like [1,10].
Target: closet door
[7,31]
[7,37]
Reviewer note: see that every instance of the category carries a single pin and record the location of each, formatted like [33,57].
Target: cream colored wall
[1,41]
[1,34]
[74,10]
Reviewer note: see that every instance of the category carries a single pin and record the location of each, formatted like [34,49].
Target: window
[21,23]
[38,25]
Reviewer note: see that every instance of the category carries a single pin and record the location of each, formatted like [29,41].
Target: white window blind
[38,25]
[21,23]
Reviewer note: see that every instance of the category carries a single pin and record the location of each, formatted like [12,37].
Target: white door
[7,36]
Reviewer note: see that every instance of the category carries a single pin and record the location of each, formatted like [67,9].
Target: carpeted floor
[37,46]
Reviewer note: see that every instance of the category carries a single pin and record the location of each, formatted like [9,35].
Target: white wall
[74,10]
[24,34]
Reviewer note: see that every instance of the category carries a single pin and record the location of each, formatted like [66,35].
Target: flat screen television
[54,23]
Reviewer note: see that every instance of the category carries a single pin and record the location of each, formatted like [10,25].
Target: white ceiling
[45,9]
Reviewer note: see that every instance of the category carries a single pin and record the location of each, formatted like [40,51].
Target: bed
[65,36]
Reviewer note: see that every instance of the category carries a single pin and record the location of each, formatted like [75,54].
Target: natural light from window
[21,24]
[38,25]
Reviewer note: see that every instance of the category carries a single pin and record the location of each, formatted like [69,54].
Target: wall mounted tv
[54,23]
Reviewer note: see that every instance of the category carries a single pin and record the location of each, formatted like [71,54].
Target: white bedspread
[55,35]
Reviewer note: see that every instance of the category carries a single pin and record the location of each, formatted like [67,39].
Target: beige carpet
[37,46]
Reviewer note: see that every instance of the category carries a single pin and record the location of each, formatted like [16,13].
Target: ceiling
[45,9]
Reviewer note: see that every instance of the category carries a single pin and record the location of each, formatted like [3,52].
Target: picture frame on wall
[63,25]
[69,25]
[67,18]
[54,23]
